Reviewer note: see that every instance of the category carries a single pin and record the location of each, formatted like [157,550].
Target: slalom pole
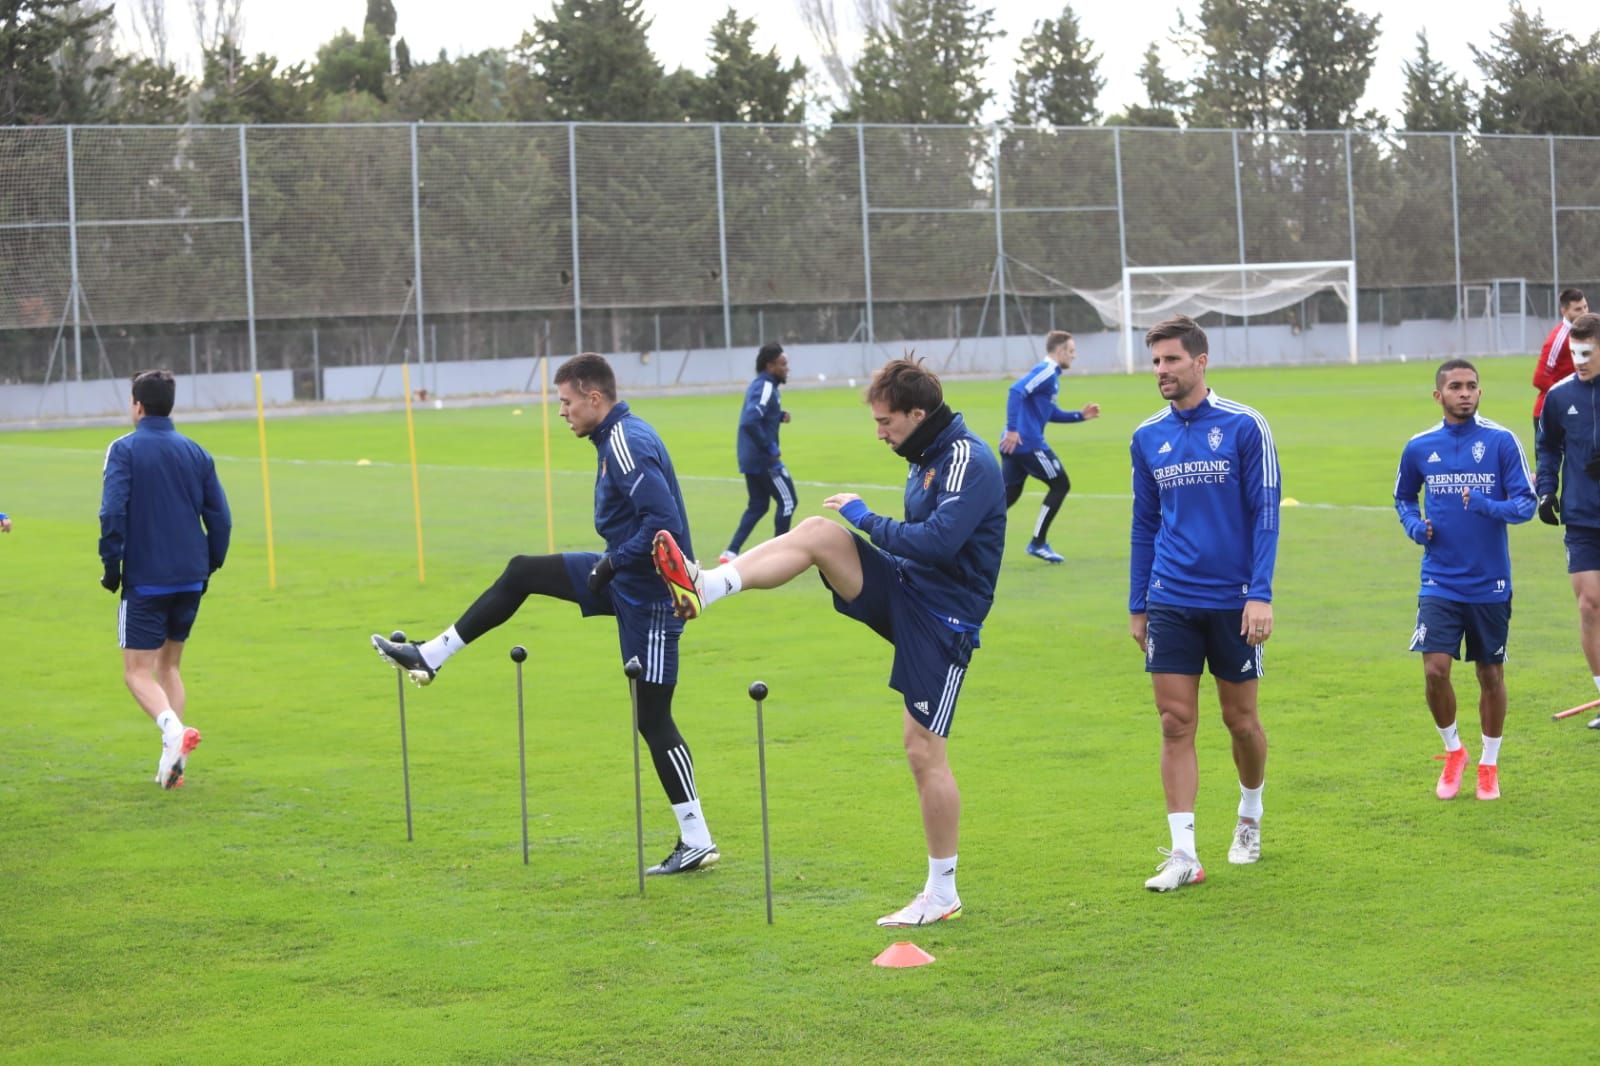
[266,485]
[416,488]
[549,491]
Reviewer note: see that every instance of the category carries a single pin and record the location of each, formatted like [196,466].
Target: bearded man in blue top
[1204,542]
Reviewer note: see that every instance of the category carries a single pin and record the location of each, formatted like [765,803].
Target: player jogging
[925,584]
[1204,541]
[760,459]
[1477,483]
[635,493]
[1569,457]
[164,530]
[1555,358]
[1030,405]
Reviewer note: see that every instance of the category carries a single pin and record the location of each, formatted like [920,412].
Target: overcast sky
[293,30]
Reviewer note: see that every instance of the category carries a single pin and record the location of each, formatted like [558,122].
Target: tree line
[1256,64]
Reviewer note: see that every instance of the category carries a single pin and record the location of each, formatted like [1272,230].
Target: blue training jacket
[1570,433]
[635,494]
[758,425]
[1205,507]
[164,518]
[949,546]
[1031,403]
[1468,560]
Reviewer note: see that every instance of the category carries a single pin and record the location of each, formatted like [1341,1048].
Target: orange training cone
[901,954]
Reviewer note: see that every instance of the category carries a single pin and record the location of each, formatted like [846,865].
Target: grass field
[273,911]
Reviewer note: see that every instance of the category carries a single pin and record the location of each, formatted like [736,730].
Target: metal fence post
[866,230]
[722,243]
[249,258]
[1455,220]
[416,257]
[999,242]
[577,272]
[72,247]
[1555,236]
[1350,209]
[1122,249]
[1238,214]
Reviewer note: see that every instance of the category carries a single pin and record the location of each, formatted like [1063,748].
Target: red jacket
[1555,362]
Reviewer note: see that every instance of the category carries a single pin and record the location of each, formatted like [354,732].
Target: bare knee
[817,530]
[1436,671]
[1177,723]
[1491,676]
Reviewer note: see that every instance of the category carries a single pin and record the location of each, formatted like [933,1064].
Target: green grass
[272,911]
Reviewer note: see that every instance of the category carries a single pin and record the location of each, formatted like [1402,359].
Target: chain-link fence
[320,255]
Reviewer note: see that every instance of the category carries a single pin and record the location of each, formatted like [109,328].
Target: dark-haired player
[164,530]
[925,584]
[636,493]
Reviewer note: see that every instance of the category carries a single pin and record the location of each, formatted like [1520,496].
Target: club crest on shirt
[1477,452]
[927,479]
[1214,438]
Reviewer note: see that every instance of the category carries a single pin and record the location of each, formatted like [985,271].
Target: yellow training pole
[416,487]
[266,485]
[549,494]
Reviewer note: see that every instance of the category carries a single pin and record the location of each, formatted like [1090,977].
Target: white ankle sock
[1250,801]
[1597,681]
[167,721]
[718,582]
[941,884]
[1491,752]
[692,824]
[1450,735]
[1182,828]
[441,647]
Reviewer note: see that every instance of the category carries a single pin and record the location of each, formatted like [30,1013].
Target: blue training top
[758,425]
[1205,507]
[635,494]
[1031,403]
[164,518]
[949,546]
[1570,434]
[1468,559]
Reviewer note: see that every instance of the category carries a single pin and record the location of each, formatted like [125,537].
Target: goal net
[1149,294]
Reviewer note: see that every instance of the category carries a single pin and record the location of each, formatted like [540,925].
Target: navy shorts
[1442,623]
[930,658]
[1018,466]
[648,631]
[144,623]
[1183,640]
[1583,548]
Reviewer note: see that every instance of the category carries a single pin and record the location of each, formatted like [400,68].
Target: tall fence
[306,249]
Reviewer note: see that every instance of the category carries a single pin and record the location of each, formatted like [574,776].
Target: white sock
[1597,681]
[941,885]
[1250,801]
[441,647]
[167,722]
[1182,827]
[718,582]
[692,824]
[1450,735]
[1491,752]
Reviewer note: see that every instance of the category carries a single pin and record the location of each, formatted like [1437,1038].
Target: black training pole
[633,670]
[758,692]
[399,637]
[518,655]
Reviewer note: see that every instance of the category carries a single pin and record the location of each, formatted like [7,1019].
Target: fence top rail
[809,127]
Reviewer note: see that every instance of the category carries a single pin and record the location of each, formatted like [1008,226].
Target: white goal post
[1150,294]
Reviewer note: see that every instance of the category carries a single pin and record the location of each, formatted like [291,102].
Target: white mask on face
[1581,352]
